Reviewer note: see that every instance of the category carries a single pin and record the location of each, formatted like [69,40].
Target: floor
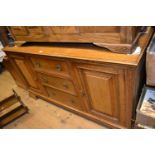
[41,113]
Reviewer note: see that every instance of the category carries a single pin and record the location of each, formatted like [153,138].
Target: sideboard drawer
[58,83]
[64,98]
[49,65]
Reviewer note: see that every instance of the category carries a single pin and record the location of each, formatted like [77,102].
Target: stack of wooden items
[11,107]
[146,107]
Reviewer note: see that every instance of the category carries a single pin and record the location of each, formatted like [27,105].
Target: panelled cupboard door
[19,79]
[23,66]
[19,30]
[102,87]
[64,29]
[35,30]
[28,31]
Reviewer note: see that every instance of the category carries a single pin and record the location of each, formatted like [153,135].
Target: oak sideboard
[85,79]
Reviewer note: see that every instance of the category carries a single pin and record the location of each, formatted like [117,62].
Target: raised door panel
[19,30]
[11,67]
[26,73]
[128,34]
[104,92]
[99,29]
[35,30]
[24,68]
[103,95]
[101,88]
[64,29]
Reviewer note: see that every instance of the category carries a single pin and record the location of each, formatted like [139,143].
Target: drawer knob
[45,80]
[38,64]
[58,67]
[82,93]
[54,94]
[2,108]
[65,85]
[72,101]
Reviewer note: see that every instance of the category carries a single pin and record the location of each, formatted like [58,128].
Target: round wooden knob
[82,93]
[65,85]
[38,64]
[45,80]
[72,101]
[58,67]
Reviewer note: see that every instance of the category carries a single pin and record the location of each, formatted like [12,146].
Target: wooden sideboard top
[79,51]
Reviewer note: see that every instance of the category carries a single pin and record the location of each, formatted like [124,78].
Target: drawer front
[64,98]
[48,65]
[57,83]
[35,30]
[19,30]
